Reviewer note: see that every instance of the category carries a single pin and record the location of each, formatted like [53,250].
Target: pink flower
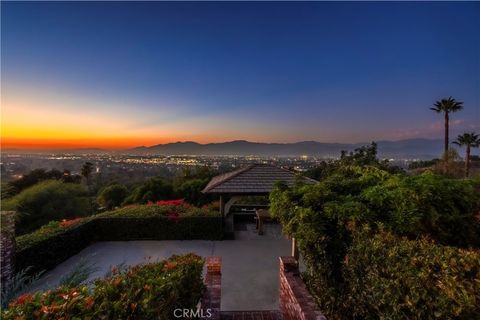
[177,202]
[67,223]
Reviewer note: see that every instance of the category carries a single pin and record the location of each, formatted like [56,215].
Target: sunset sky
[123,74]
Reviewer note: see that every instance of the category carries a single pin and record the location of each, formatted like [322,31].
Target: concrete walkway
[250,276]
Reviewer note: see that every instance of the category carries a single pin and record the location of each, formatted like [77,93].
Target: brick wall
[296,303]
[213,282]
[7,246]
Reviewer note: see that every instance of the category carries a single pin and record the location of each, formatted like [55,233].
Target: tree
[87,170]
[46,201]
[153,189]
[450,165]
[112,196]
[447,106]
[34,177]
[363,156]
[469,140]
[191,191]
[69,177]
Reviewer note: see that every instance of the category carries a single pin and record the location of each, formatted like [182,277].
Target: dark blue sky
[344,72]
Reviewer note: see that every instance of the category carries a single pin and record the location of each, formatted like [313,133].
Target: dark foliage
[191,191]
[47,201]
[38,175]
[112,196]
[146,291]
[363,156]
[153,189]
[48,246]
[418,273]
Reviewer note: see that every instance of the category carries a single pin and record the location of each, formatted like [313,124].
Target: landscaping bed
[55,242]
[146,291]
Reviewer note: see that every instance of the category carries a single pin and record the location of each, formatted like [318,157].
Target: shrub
[52,244]
[151,291]
[21,282]
[383,276]
[160,209]
[153,189]
[112,196]
[46,201]
[395,278]
[442,208]
[321,216]
[191,190]
[37,175]
[148,291]
[55,242]
[164,220]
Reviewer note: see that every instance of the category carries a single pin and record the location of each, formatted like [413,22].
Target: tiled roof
[253,179]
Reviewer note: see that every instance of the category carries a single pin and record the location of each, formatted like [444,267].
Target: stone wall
[7,246]
[296,303]
[213,282]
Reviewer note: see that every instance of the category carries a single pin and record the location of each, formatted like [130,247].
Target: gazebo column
[295,252]
[229,202]
[222,206]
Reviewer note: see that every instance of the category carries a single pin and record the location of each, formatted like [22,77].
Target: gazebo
[251,180]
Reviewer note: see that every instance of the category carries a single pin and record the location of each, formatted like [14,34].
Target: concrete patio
[250,276]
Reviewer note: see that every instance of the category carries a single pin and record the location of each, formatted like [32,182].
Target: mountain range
[411,148]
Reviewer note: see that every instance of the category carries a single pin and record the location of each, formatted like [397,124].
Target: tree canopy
[46,201]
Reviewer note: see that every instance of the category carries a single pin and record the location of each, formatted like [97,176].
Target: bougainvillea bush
[163,208]
[147,291]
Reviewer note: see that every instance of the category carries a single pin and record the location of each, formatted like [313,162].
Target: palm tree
[87,169]
[447,106]
[469,140]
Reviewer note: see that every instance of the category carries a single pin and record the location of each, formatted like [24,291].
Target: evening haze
[124,74]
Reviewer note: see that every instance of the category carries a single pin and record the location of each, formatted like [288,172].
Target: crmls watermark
[192,313]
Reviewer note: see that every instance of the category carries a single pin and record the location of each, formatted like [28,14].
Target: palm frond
[447,105]
[468,139]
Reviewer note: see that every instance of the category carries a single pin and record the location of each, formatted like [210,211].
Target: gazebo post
[222,206]
[295,252]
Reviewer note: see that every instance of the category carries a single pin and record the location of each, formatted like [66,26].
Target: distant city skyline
[118,75]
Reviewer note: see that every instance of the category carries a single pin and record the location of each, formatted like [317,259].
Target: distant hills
[400,149]
[411,148]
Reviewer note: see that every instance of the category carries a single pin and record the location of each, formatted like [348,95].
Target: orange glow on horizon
[34,119]
[35,124]
[103,143]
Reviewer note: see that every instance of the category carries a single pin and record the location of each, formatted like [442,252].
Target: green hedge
[56,242]
[43,250]
[148,291]
[159,228]
[153,210]
[350,284]
[384,276]
[393,278]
